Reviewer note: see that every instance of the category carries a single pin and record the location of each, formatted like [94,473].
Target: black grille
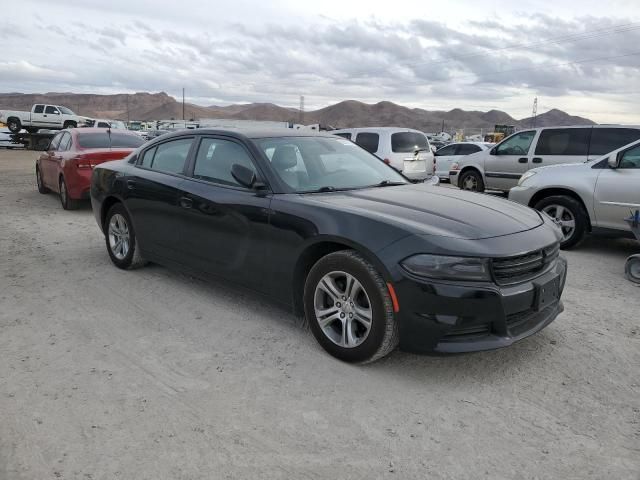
[460,333]
[511,270]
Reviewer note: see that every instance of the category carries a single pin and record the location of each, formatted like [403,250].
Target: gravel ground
[151,374]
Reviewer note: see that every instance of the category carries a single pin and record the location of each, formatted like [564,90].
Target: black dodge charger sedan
[316,222]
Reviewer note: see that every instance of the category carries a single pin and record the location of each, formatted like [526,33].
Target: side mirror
[613,161]
[433,149]
[493,151]
[243,175]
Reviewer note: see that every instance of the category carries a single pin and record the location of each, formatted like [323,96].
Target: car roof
[251,133]
[377,129]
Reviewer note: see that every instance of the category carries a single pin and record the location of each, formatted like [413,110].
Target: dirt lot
[150,374]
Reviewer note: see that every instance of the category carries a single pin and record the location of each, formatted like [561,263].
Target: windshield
[117,124]
[66,111]
[101,140]
[309,164]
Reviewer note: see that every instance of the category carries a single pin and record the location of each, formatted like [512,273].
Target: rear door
[507,161]
[48,162]
[617,192]
[153,197]
[561,145]
[37,115]
[403,152]
[224,223]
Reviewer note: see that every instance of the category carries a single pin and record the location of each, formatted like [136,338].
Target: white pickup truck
[52,117]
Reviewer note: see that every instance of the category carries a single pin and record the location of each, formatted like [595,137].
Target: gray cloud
[421,62]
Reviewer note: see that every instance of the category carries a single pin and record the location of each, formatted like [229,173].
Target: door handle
[523,160]
[186,202]
[131,184]
[537,160]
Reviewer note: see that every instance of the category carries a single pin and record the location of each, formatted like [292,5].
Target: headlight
[448,268]
[526,176]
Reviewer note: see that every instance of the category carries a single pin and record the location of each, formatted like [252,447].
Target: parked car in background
[320,224]
[501,167]
[6,140]
[448,155]
[113,124]
[66,166]
[406,150]
[595,196]
[52,117]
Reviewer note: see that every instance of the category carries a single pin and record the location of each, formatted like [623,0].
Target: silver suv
[501,167]
[595,196]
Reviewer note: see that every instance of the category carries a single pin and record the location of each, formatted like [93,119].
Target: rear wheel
[569,215]
[41,187]
[120,238]
[14,125]
[471,180]
[349,308]
[67,203]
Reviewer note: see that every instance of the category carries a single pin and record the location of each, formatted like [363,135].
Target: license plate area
[547,293]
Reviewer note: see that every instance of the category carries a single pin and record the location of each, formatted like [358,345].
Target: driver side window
[631,158]
[517,144]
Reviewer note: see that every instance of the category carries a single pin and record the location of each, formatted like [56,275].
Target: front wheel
[120,238]
[632,269]
[568,215]
[471,180]
[349,308]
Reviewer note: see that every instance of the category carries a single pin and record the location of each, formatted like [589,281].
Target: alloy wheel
[470,183]
[119,239]
[563,217]
[343,309]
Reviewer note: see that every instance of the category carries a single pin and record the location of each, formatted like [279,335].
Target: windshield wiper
[388,183]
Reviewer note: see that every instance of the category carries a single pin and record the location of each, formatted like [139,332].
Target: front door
[617,193]
[224,222]
[508,160]
[52,117]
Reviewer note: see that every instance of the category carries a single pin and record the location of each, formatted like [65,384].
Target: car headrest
[284,157]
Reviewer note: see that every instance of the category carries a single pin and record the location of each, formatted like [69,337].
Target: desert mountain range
[349,113]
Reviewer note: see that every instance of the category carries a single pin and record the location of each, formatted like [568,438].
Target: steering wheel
[518,150]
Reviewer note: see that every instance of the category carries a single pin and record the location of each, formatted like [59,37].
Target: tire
[471,180]
[32,129]
[116,223]
[14,125]
[69,124]
[67,203]
[632,269]
[41,187]
[369,289]
[567,211]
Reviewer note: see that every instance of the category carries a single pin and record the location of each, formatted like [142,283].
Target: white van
[501,167]
[404,149]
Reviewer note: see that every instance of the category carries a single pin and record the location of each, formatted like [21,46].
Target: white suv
[404,149]
[501,167]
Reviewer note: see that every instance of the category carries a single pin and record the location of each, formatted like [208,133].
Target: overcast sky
[577,55]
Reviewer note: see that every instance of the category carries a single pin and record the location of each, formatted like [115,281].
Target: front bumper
[447,317]
[521,195]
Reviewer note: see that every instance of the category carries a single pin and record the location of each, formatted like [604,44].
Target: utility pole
[442,128]
[301,119]
[182,103]
[534,113]
[128,119]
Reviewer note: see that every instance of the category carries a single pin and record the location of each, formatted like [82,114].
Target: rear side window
[467,149]
[564,141]
[147,157]
[605,140]
[368,141]
[344,135]
[446,151]
[65,142]
[102,140]
[38,109]
[215,159]
[405,142]
[171,156]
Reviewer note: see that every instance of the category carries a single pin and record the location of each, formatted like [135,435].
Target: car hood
[429,210]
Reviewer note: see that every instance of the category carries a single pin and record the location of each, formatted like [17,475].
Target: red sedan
[66,166]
